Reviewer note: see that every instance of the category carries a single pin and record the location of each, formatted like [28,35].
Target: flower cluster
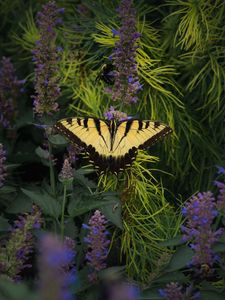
[97,242]
[200,212]
[113,114]
[56,268]
[173,291]
[221,196]
[126,83]
[2,165]
[16,251]
[46,57]
[66,174]
[10,88]
[73,152]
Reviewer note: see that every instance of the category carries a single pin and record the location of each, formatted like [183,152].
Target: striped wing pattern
[112,145]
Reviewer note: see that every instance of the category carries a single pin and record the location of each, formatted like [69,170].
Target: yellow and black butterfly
[112,145]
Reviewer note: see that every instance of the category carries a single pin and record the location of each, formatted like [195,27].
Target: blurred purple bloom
[220,170]
[113,114]
[56,268]
[18,248]
[46,57]
[173,291]
[200,212]
[2,165]
[126,83]
[115,32]
[123,291]
[97,244]
[10,88]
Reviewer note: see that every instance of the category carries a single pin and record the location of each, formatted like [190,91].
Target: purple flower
[174,291]
[2,165]
[18,248]
[126,83]
[73,152]
[221,196]
[46,56]
[10,88]
[113,114]
[220,170]
[97,244]
[56,268]
[200,212]
[66,175]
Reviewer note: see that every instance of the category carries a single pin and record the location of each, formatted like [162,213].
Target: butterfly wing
[132,135]
[92,134]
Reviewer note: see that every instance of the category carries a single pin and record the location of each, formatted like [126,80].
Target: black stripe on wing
[155,138]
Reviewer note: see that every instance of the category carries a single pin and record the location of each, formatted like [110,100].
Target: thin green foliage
[147,217]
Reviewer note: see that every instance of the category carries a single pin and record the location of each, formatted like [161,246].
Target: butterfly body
[112,145]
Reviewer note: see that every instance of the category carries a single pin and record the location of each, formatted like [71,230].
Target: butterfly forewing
[92,134]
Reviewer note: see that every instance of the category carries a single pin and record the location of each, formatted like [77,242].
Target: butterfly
[112,145]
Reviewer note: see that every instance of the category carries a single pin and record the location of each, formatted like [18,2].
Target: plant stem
[63,210]
[51,169]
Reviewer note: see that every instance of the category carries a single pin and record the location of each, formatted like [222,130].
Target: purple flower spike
[2,165]
[46,56]
[97,244]
[66,174]
[10,89]
[56,268]
[200,212]
[18,248]
[174,291]
[126,83]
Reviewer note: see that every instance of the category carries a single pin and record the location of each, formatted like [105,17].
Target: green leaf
[44,154]
[171,277]
[113,212]
[4,225]
[172,242]
[57,140]
[84,181]
[15,291]
[180,259]
[47,203]
[211,295]
[7,189]
[112,272]
[12,166]
[20,204]
[81,204]
[219,247]
[150,294]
